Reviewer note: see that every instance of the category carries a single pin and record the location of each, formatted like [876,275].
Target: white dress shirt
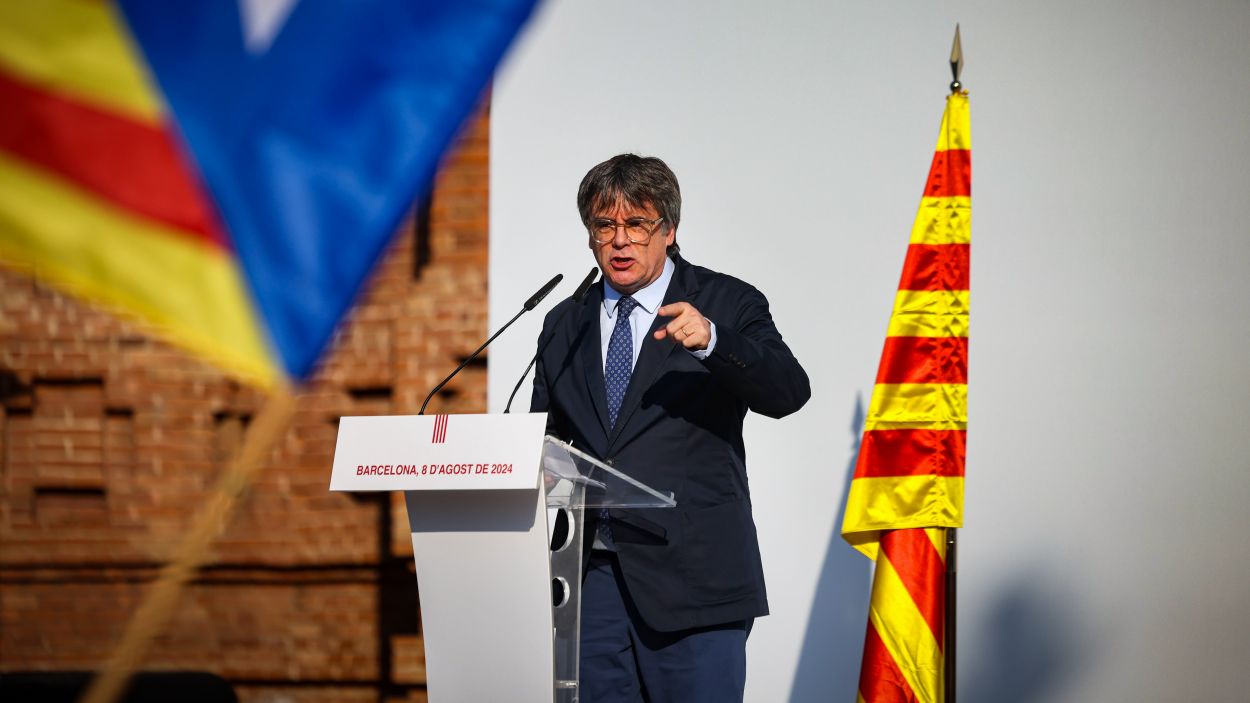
[649,298]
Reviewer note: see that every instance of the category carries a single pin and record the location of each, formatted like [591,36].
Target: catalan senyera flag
[229,170]
[908,481]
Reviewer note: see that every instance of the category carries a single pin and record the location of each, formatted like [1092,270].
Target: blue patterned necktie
[616,373]
[620,363]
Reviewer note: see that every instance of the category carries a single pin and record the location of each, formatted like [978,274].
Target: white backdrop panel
[1110,392]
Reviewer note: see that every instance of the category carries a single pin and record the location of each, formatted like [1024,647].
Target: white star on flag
[262,20]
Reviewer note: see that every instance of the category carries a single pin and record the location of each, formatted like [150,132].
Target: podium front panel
[484,581]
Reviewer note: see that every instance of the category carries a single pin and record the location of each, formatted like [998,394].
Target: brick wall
[109,440]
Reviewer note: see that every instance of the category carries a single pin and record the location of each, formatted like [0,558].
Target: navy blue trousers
[624,661]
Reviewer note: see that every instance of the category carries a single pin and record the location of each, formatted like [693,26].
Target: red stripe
[135,166]
[936,267]
[918,564]
[924,360]
[880,679]
[950,174]
[885,453]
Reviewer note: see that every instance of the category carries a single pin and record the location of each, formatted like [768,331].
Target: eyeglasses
[637,229]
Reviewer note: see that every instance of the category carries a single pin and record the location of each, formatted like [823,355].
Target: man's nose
[620,238]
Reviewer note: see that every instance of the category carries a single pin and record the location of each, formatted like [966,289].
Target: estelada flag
[908,480]
[229,170]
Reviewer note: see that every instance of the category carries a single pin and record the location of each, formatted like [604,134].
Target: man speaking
[653,372]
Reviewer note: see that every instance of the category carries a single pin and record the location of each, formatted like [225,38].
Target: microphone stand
[529,305]
[578,295]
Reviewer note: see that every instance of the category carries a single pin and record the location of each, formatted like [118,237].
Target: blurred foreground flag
[230,170]
[909,477]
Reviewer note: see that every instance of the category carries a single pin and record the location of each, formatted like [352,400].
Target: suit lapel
[592,355]
[654,355]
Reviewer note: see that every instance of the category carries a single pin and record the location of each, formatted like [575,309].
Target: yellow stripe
[930,313]
[81,49]
[937,535]
[900,502]
[932,302]
[190,289]
[938,406]
[905,633]
[956,130]
[943,221]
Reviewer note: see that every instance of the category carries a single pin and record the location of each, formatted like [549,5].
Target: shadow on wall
[828,666]
[1032,642]
[1031,638]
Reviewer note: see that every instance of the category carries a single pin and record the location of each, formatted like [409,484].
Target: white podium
[498,561]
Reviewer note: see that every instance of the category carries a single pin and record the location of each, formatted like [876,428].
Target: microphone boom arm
[529,305]
[467,359]
[578,295]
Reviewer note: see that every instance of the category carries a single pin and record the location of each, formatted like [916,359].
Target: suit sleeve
[751,359]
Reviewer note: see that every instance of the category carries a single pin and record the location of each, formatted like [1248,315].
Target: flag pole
[952,537]
[158,605]
[948,618]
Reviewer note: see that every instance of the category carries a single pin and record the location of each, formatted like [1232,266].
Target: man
[653,372]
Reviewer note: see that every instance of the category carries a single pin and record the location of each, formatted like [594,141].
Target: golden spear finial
[957,61]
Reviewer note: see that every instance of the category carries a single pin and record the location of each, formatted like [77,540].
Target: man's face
[630,267]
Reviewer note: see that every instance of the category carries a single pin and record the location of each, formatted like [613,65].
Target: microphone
[529,305]
[542,293]
[578,296]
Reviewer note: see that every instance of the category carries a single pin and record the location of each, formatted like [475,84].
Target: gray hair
[636,180]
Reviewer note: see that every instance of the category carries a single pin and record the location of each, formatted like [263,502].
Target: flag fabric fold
[96,194]
[224,171]
[908,480]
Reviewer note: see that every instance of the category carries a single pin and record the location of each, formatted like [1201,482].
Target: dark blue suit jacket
[679,430]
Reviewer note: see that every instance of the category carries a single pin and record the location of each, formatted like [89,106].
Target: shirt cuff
[711,344]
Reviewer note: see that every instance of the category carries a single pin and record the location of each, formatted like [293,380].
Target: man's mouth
[620,263]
